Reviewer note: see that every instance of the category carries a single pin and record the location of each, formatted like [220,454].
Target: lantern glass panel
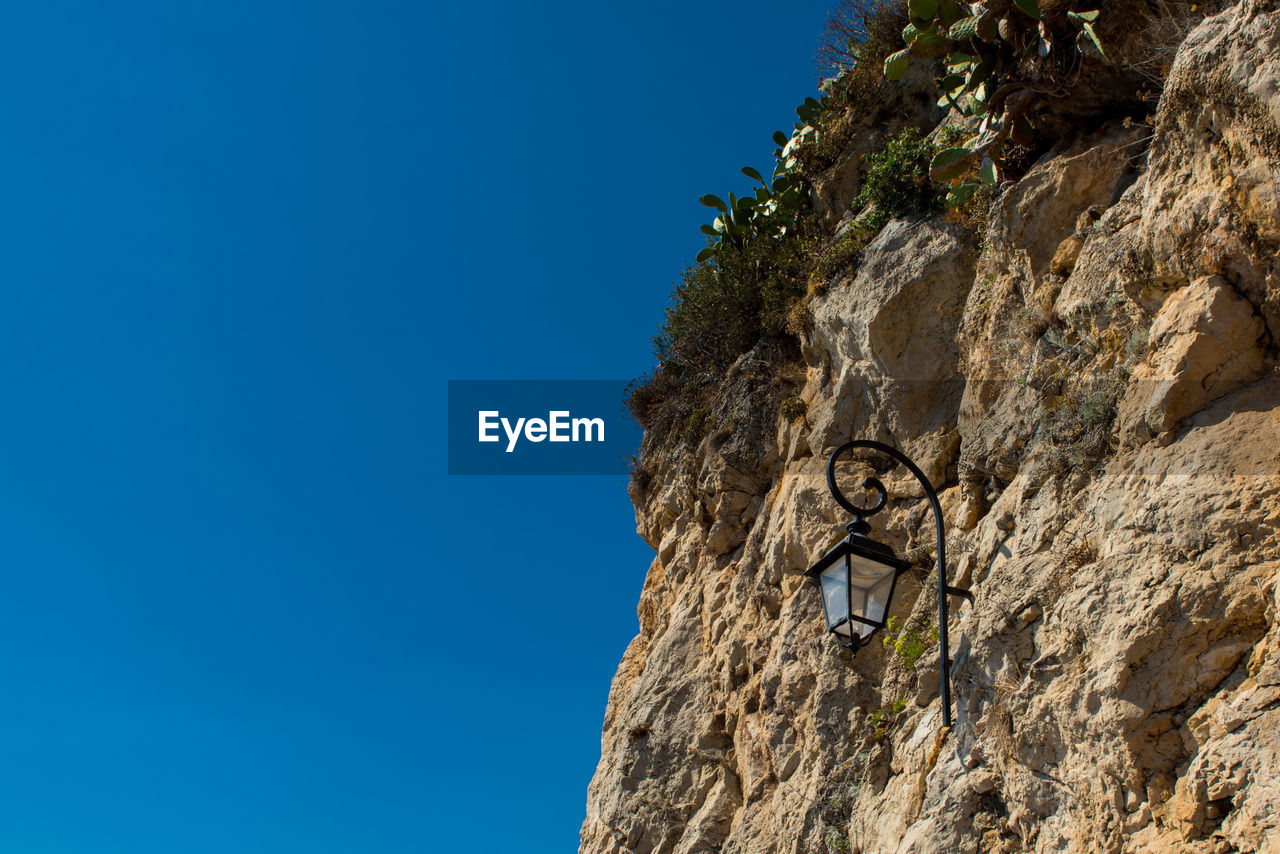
[835,598]
[872,584]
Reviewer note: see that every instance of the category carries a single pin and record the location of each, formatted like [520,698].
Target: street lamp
[857,576]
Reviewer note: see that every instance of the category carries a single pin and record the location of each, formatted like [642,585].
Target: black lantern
[856,579]
[857,576]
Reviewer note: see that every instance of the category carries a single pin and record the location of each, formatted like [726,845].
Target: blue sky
[245,245]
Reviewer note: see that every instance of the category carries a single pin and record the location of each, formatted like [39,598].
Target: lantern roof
[856,544]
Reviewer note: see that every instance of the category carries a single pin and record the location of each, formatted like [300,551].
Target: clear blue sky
[245,244]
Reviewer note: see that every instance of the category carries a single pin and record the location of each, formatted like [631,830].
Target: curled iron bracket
[859,525]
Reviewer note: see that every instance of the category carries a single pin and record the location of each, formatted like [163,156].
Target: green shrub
[720,310]
[909,648]
[793,408]
[714,316]
[897,182]
[910,644]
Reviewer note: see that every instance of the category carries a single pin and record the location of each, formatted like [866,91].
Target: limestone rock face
[1203,343]
[1211,203]
[884,344]
[1102,422]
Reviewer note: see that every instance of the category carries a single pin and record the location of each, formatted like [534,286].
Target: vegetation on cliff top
[1009,71]
[763,247]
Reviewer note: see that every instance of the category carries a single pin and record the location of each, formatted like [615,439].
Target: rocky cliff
[1093,389]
